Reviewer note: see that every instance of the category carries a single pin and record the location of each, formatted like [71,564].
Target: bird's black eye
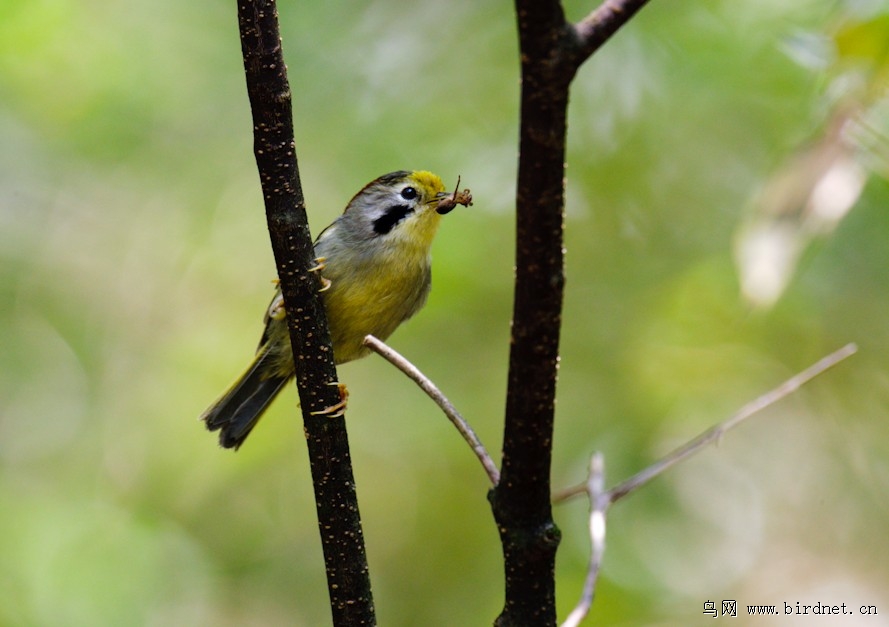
[408,193]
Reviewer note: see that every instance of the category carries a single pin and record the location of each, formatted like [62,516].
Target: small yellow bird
[375,265]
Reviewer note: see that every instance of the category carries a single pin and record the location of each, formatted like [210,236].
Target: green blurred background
[135,266]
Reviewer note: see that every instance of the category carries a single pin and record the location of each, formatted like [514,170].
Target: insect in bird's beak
[446,201]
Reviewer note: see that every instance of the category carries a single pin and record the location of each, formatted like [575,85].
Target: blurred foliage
[822,181]
[134,267]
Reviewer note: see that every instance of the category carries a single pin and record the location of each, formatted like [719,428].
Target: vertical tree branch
[336,500]
[551,50]
[521,500]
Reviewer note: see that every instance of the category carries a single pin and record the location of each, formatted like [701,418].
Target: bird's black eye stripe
[408,193]
[393,215]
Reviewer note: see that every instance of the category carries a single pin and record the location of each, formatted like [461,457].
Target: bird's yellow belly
[374,303]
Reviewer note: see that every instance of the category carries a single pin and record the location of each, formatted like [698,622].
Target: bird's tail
[236,412]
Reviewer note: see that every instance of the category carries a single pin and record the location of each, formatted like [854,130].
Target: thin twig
[714,433]
[397,360]
[599,503]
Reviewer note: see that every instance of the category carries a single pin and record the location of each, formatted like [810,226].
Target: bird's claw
[338,409]
[318,267]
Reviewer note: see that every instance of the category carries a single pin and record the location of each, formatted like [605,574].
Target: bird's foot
[338,409]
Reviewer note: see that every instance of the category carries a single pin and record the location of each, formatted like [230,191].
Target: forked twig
[601,500]
[598,506]
[397,360]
